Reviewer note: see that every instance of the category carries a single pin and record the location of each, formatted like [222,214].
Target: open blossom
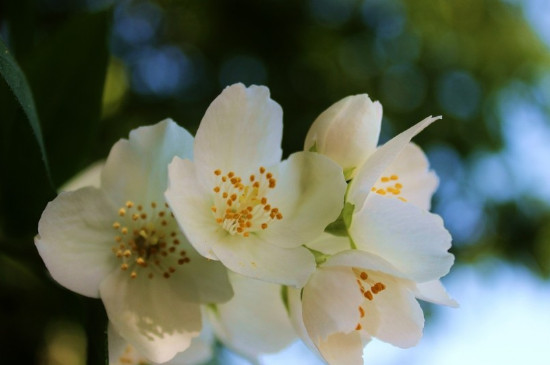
[120,242]
[238,203]
[347,131]
[355,296]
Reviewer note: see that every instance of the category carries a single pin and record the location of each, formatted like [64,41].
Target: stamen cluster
[148,239]
[242,207]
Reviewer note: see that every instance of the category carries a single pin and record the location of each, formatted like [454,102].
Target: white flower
[255,321]
[121,243]
[238,203]
[198,352]
[347,132]
[390,195]
[355,296]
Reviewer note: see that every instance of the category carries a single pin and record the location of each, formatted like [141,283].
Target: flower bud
[347,132]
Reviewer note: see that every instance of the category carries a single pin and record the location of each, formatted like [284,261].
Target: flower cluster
[190,239]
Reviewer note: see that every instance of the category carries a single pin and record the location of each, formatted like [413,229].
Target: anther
[122,212]
[217,172]
[129,204]
[133,275]
[364,275]
[116,225]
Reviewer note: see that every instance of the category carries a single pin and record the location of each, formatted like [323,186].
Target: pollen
[240,206]
[390,186]
[146,239]
[368,286]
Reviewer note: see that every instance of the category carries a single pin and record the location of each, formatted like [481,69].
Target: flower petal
[363,259]
[149,315]
[255,321]
[137,168]
[309,194]
[201,280]
[191,204]
[417,182]
[75,237]
[122,353]
[342,348]
[399,318]
[377,163]
[241,130]
[411,239]
[434,291]
[330,302]
[255,258]
[347,132]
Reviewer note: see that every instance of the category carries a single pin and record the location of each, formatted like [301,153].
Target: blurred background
[98,68]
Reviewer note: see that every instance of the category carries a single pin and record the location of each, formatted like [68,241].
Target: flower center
[241,207]
[147,240]
[369,288]
[389,185]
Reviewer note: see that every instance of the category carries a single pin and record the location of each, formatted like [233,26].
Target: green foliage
[16,80]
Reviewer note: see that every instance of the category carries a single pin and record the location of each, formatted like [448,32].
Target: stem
[96,331]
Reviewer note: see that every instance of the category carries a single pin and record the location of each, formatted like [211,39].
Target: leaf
[340,226]
[16,80]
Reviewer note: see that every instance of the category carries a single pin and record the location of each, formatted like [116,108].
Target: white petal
[347,132]
[295,312]
[90,176]
[201,280]
[376,164]
[362,259]
[241,130]
[399,318]
[254,258]
[122,353]
[191,205]
[329,244]
[331,300]
[137,168]
[149,315]
[433,291]
[342,348]
[309,194]
[255,321]
[411,239]
[418,182]
[75,237]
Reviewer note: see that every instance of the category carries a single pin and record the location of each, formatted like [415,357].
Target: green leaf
[340,226]
[16,80]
